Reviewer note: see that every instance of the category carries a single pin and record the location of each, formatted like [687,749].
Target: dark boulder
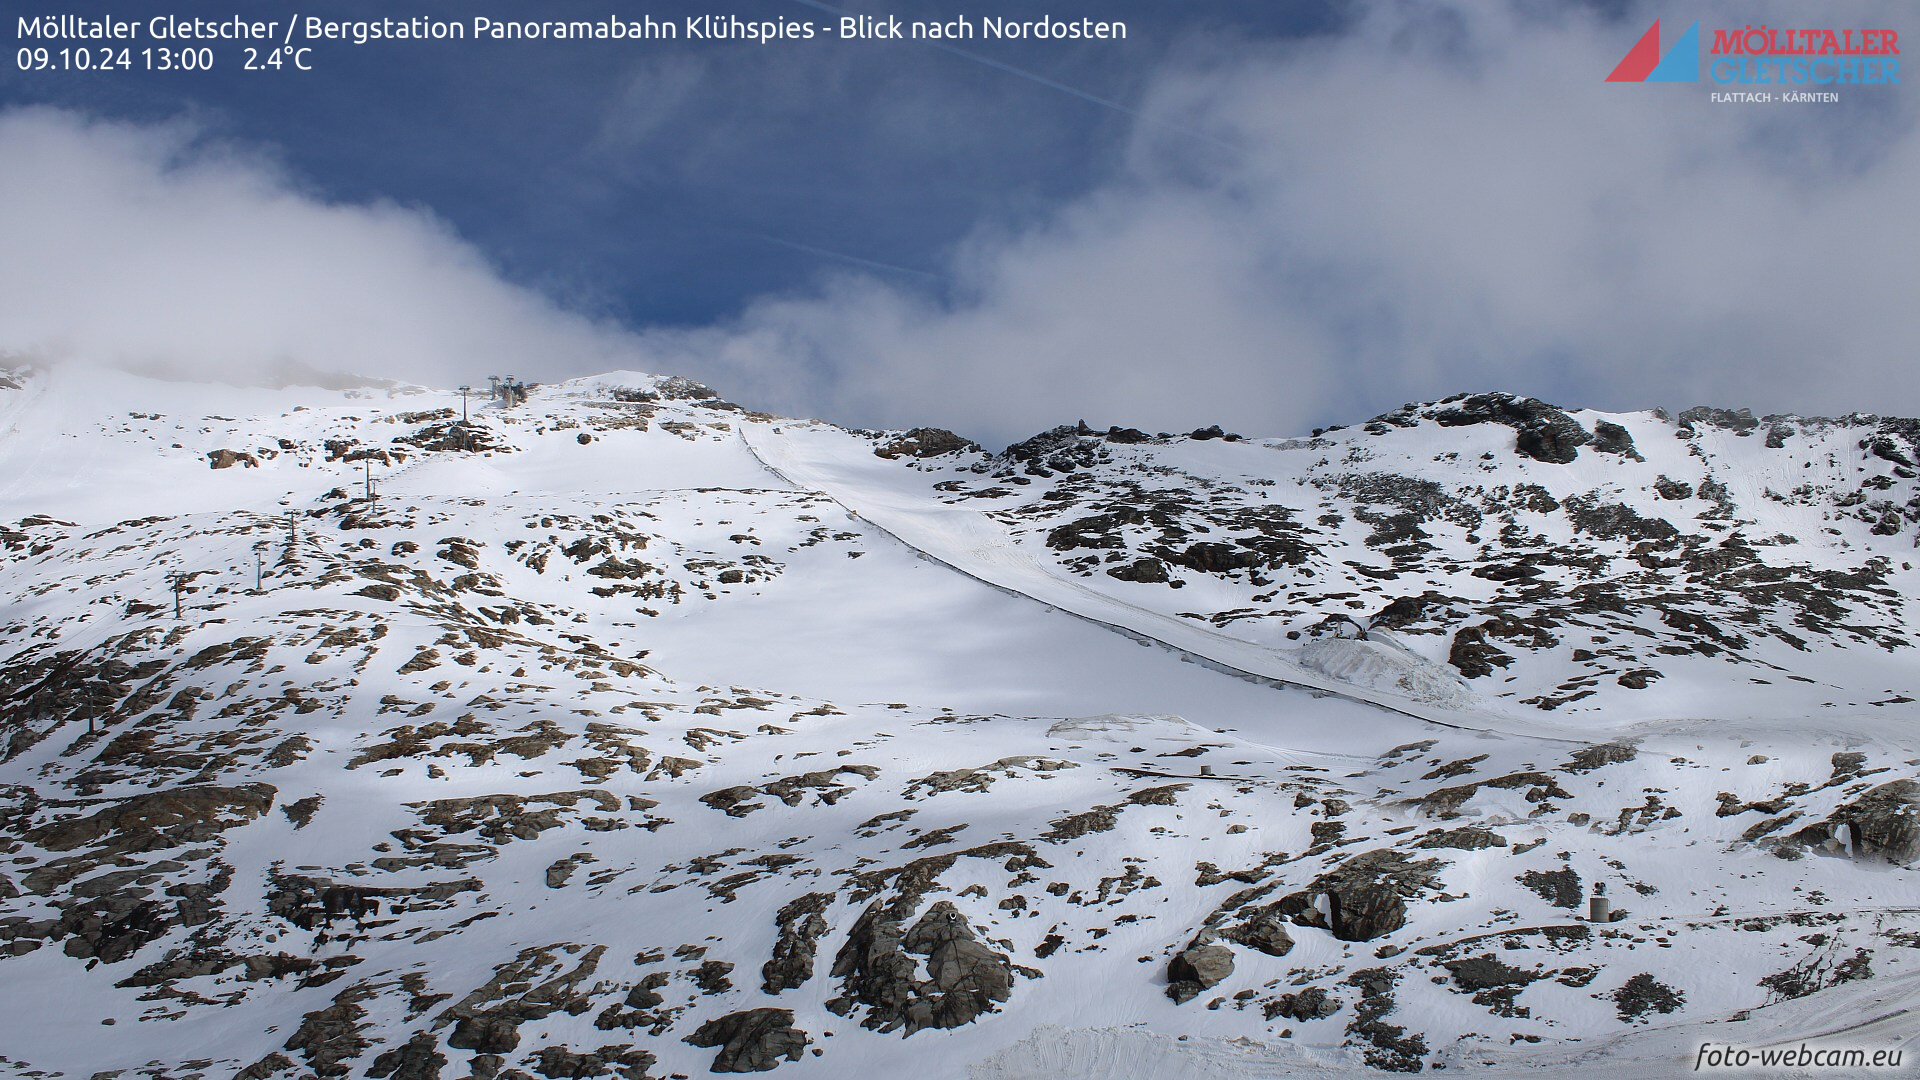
[1063,449]
[801,928]
[227,459]
[1196,968]
[1884,822]
[417,1059]
[1738,421]
[1611,438]
[925,442]
[1146,571]
[1365,896]
[964,978]
[1266,931]
[1542,432]
[755,1040]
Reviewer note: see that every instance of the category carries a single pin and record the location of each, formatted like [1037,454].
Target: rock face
[801,928]
[227,459]
[1197,968]
[752,1041]
[1611,438]
[416,1059]
[1266,932]
[1542,432]
[925,442]
[1365,897]
[1884,822]
[160,819]
[1063,449]
[964,978]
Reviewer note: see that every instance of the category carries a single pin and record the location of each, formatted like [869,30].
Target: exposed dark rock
[1198,967]
[1470,838]
[1484,972]
[419,1058]
[1668,488]
[1366,895]
[1385,1046]
[677,388]
[964,977]
[1063,449]
[1542,432]
[329,1038]
[160,819]
[1561,887]
[1211,558]
[227,459]
[1738,421]
[1643,994]
[1266,931]
[1446,802]
[561,1063]
[1611,438]
[1589,758]
[485,1033]
[755,1040]
[925,442]
[1146,571]
[1313,1003]
[1884,822]
[801,928]
[1493,983]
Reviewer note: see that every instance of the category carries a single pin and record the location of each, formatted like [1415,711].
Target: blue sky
[1288,215]
[672,181]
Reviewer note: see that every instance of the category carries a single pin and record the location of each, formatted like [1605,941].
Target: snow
[807,606]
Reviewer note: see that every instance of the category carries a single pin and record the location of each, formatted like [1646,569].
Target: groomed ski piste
[627,717]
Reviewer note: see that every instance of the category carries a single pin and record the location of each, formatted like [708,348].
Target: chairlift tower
[177,581]
[464,391]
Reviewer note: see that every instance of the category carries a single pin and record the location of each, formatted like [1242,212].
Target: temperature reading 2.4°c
[275,59]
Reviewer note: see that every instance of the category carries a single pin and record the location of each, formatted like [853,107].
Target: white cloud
[153,245]
[1446,198]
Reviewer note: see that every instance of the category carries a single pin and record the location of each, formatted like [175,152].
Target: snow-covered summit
[627,731]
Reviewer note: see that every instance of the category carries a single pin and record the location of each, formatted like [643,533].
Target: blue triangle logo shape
[1682,62]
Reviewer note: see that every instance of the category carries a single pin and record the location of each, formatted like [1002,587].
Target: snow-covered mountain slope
[628,732]
[1540,561]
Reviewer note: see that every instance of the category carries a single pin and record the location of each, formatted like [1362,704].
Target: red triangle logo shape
[1641,59]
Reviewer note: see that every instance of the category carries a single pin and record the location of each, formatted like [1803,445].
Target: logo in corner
[1643,62]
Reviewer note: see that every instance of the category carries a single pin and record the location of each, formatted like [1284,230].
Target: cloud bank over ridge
[1444,197]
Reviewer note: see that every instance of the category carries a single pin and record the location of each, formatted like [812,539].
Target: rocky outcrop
[1541,431]
[1363,898]
[160,819]
[755,1040]
[1611,438]
[925,442]
[1266,931]
[1883,823]
[1197,967]
[329,1038]
[801,928]
[1066,448]
[419,1058]
[227,459]
[964,978]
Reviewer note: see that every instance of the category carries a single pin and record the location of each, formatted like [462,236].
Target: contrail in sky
[995,64]
[829,253]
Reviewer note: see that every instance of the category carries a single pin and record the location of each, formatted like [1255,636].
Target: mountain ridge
[594,746]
